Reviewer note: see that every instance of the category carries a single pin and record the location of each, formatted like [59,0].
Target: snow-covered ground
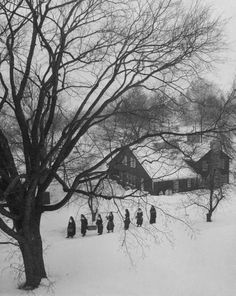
[197,262]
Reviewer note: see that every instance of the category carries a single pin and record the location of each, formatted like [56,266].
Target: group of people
[139,217]
[71,228]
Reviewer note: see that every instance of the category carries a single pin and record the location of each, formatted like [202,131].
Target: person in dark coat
[153,215]
[84,225]
[110,222]
[99,224]
[139,217]
[127,220]
[71,228]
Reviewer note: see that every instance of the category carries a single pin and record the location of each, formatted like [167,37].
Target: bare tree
[140,111]
[207,199]
[87,54]
[204,104]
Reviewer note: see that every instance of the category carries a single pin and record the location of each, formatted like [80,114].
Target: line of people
[139,217]
[71,228]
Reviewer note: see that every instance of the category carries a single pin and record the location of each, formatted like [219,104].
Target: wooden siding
[184,185]
[123,173]
[204,167]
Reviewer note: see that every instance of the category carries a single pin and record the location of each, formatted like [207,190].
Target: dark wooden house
[213,166]
[164,171]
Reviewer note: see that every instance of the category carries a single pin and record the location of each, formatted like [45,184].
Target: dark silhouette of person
[127,220]
[99,224]
[153,215]
[71,228]
[110,222]
[84,224]
[139,217]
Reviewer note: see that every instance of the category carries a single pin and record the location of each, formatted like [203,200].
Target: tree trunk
[94,213]
[208,217]
[32,253]
[92,208]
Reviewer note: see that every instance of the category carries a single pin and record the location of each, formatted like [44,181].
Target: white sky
[225,73]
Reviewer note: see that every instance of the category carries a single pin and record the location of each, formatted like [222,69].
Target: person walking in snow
[153,215]
[84,224]
[139,217]
[127,220]
[110,222]
[99,224]
[71,228]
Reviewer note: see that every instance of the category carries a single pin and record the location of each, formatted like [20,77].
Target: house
[158,170]
[213,164]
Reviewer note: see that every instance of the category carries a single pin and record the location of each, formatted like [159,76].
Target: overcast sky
[225,73]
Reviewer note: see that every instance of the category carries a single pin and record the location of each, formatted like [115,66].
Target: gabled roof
[197,150]
[162,164]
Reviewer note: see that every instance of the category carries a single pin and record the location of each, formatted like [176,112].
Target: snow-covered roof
[196,150]
[162,164]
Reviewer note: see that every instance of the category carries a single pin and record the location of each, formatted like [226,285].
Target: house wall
[129,176]
[181,185]
[205,165]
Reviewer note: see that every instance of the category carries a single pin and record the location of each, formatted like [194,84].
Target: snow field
[197,263]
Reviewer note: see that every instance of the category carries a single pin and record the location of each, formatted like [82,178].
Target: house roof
[162,164]
[197,150]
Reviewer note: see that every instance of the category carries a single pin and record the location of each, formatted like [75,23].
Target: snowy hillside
[197,262]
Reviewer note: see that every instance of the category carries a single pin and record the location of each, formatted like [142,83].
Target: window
[131,180]
[202,182]
[132,162]
[121,175]
[176,185]
[125,178]
[125,160]
[223,164]
[189,183]
[142,184]
[204,166]
[134,180]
